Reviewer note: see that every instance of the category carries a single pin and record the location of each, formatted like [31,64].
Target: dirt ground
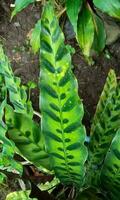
[26,65]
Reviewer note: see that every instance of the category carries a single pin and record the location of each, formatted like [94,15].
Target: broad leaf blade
[85,30]
[27,137]
[61,108]
[35,37]
[20,5]
[105,123]
[73,9]
[110,175]
[111,7]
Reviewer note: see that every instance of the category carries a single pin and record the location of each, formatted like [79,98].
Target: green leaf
[73,9]
[27,137]
[110,175]
[20,5]
[105,123]
[8,148]
[35,37]
[2,178]
[111,7]
[31,85]
[85,30]
[20,195]
[17,93]
[61,107]
[99,34]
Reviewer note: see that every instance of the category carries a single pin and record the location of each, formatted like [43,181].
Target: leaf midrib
[60,112]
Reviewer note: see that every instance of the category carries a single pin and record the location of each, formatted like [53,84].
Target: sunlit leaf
[35,37]
[61,107]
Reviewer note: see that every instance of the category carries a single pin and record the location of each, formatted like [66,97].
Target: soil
[26,65]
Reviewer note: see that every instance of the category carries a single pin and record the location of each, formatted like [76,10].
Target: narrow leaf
[35,37]
[105,123]
[73,9]
[85,30]
[20,5]
[17,93]
[110,175]
[100,35]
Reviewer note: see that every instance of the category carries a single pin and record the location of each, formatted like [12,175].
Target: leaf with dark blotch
[60,103]
[110,175]
[53,136]
[73,146]
[26,135]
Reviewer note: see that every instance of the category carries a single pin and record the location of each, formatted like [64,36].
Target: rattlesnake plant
[57,144]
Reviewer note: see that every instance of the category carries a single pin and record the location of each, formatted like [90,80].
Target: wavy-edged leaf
[61,108]
[20,5]
[106,122]
[17,93]
[99,34]
[27,137]
[110,175]
[35,37]
[111,7]
[73,9]
[20,195]
[85,29]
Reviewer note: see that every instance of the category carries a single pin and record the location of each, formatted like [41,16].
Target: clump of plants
[57,145]
[86,20]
